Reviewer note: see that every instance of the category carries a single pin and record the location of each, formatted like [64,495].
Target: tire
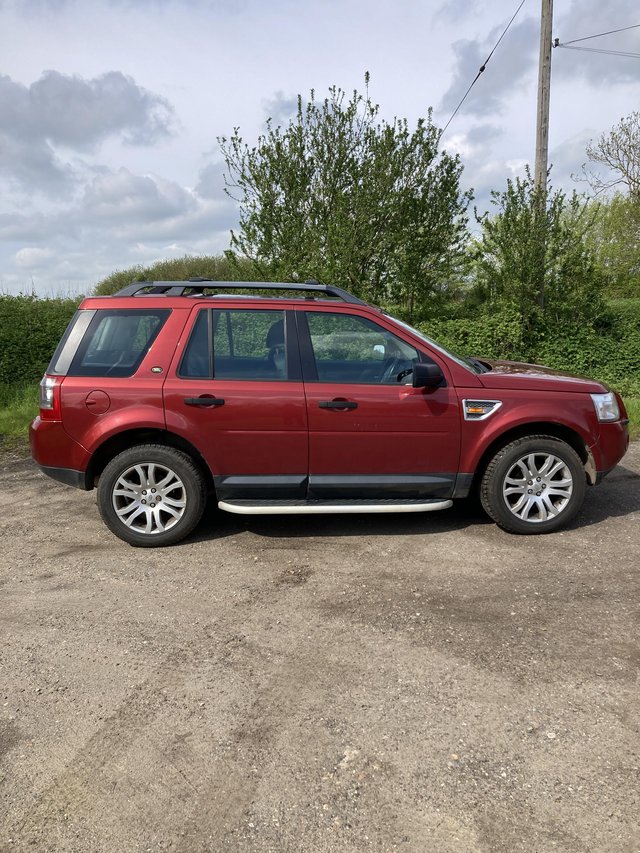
[151,495]
[535,484]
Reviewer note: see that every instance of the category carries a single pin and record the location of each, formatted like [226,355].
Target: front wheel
[535,484]
[151,495]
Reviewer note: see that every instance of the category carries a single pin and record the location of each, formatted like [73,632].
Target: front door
[371,434]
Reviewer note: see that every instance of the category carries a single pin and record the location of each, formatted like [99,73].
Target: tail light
[50,398]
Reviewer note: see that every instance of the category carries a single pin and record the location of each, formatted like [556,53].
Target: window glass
[195,361]
[348,348]
[246,345]
[116,342]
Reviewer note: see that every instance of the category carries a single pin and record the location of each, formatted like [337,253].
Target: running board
[301,507]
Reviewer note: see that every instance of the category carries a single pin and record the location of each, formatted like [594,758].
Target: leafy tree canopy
[615,240]
[348,198]
[532,257]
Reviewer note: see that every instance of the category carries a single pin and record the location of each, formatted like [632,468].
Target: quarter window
[116,342]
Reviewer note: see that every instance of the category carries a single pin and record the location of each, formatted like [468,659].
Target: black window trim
[294,363]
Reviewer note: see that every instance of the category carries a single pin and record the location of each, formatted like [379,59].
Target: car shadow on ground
[217,524]
[618,495]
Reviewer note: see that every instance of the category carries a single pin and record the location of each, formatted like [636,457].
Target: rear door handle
[338,404]
[207,402]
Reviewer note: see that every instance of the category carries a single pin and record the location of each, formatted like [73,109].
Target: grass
[628,308]
[18,407]
[632,405]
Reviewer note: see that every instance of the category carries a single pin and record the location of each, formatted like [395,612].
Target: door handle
[338,404]
[206,402]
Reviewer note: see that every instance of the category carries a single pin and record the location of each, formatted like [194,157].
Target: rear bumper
[58,455]
[77,479]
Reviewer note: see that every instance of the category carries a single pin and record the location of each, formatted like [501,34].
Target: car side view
[302,398]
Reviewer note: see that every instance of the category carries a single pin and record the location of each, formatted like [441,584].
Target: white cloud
[126,199]
[40,122]
[33,258]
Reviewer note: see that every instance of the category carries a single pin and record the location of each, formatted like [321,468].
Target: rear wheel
[151,495]
[535,484]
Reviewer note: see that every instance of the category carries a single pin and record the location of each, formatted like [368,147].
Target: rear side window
[237,344]
[114,343]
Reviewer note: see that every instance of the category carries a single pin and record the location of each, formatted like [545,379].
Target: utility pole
[542,140]
[544,91]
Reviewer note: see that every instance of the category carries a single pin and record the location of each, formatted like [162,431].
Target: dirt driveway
[319,684]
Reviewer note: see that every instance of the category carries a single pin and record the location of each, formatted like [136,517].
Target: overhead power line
[598,35]
[482,68]
[600,50]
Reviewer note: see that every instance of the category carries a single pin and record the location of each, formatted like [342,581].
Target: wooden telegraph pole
[544,91]
[542,134]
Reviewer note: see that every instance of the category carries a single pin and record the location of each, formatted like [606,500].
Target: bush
[496,335]
[225,267]
[608,351]
[30,329]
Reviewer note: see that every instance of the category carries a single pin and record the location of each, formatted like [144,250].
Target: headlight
[606,406]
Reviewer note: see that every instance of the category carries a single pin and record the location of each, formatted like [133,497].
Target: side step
[302,507]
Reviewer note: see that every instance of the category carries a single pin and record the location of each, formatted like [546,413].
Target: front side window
[349,348]
[236,344]
[116,341]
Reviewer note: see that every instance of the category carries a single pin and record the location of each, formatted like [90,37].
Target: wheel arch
[555,430]
[129,438]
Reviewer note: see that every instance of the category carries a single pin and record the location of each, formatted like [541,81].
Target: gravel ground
[411,683]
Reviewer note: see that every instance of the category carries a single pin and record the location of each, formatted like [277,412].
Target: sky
[110,110]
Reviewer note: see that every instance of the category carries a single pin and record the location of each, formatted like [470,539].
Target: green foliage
[30,329]
[18,407]
[632,405]
[625,308]
[344,197]
[493,335]
[615,241]
[608,351]
[225,267]
[531,258]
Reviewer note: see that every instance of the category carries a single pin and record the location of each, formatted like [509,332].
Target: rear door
[235,391]
[371,434]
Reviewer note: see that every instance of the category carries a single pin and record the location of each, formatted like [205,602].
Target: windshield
[471,364]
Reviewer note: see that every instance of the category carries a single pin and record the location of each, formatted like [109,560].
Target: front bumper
[612,445]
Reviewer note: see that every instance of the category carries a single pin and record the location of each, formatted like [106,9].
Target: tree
[619,152]
[615,241]
[345,197]
[214,267]
[532,257]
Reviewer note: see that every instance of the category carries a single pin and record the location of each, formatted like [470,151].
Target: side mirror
[427,375]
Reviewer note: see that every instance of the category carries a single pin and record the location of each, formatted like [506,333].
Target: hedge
[30,329]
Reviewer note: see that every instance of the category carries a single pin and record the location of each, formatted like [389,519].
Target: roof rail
[195,286]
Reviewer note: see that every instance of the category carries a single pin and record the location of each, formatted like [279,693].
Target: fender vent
[479,410]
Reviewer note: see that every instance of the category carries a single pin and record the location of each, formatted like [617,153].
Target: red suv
[310,401]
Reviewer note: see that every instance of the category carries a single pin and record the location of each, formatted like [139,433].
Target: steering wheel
[396,369]
[391,370]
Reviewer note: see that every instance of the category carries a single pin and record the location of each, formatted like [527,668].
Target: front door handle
[207,402]
[338,404]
